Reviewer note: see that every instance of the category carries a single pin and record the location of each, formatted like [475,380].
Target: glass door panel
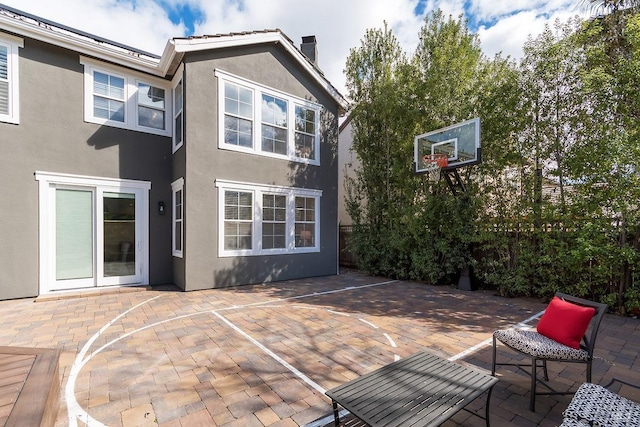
[74,237]
[119,234]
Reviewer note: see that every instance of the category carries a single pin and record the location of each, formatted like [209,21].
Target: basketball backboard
[459,142]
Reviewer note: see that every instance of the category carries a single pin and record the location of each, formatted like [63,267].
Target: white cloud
[509,34]
[145,26]
[339,25]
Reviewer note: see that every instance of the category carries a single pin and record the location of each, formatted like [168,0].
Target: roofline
[194,44]
[76,31]
[70,38]
[21,23]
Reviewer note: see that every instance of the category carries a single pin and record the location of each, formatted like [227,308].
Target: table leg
[336,415]
[487,406]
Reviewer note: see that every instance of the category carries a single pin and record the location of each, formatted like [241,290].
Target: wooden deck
[29,386]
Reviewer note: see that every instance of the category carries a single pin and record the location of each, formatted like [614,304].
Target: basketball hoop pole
[454,181]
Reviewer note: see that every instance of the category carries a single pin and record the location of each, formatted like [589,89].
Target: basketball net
[433,164]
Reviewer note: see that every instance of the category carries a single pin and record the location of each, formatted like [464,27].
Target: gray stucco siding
[270,66]
[52,136]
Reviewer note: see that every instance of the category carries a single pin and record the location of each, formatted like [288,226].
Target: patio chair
[595,405]
[562,335]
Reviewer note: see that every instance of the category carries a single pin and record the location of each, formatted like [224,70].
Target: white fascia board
[78,44]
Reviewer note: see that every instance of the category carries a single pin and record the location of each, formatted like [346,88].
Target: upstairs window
[238,115]
[178,120]
[108,97]
[305,132]
[125,99]
[261,120]
[9,97]
[151,106]
[274,125]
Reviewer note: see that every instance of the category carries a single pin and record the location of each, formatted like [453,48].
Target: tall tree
[411,228]
[609,6]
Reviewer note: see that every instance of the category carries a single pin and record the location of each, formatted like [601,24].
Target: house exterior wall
[267,65]
[348,164]
[52,136]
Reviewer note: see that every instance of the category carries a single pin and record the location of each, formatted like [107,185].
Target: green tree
[406,226]
[611,159]
[377,87]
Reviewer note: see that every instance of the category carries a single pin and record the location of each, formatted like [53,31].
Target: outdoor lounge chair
[594,405]
[566,333]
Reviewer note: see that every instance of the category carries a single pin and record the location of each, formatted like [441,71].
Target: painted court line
[525,323]
[277,358]
[77,414]
[313,294]
[74,410]
[270,304]
[489,341]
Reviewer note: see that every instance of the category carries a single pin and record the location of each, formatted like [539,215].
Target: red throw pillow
[565,322]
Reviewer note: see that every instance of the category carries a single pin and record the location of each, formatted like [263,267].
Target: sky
[339,25]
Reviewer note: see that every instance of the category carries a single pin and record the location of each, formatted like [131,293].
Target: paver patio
[264,355]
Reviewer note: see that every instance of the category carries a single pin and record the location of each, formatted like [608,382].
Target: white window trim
[174,83]
[177,185]
[12,44]
[131,80]
[46,180]
[256,232]
[258,90]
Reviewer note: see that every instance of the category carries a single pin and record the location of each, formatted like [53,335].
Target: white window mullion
[291,222]
[291,131]
[257,121]
[257,220]
[99,227]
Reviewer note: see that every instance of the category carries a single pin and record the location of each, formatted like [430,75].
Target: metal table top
[420,390]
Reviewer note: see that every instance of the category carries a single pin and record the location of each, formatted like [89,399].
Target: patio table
[420,390]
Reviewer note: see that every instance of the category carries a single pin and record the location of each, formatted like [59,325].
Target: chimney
[310,48]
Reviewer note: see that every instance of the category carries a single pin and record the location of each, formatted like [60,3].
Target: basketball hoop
[433,164]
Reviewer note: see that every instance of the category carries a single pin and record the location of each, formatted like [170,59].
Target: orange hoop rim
[436,159]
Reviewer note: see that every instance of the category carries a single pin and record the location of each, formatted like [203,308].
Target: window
[274,221]
[260,120]
[178,121]
[305,132]
[238,115]
[108,97]
[305,221]
[238,218]
[124,99]
[177,188]
[274,125]
[262,220]
[9,99]
[151,106]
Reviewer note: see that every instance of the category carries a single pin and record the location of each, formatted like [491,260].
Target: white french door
[93,232]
